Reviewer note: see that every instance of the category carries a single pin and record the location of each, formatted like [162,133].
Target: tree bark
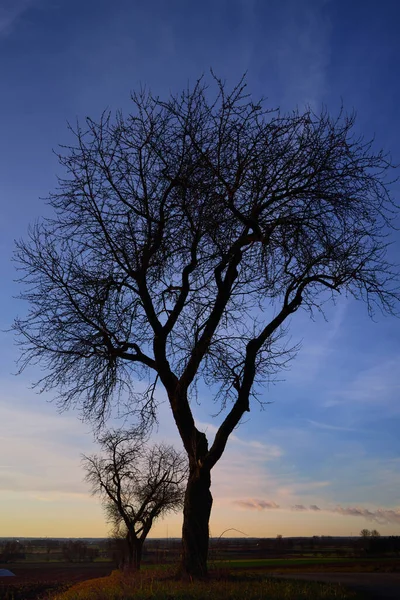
[196,516]
[135,548]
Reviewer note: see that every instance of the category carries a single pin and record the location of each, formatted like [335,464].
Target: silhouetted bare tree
[375,533]
[184,236]
[137,484]
[365,533]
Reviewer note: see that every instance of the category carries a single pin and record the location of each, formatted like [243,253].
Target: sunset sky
[324,456]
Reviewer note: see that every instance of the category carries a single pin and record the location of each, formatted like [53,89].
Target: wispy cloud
[319,343]
[10,12]
[377,386]
[255,504]
[269,451]
[42,449]
[329,427]
[379,515]
[303,51]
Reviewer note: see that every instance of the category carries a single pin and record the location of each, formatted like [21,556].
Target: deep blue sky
[330,438]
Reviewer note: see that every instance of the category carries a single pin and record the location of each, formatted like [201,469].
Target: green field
[294,562]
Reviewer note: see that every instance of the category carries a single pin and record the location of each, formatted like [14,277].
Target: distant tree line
[384,545]
[69,550]
[367,533]
[79,551]
[12,550]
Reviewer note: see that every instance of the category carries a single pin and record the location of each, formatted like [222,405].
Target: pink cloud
[380,515]
[254,504]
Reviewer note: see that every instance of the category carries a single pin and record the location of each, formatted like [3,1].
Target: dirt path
[379,586]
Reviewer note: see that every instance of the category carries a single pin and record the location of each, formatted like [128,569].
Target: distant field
[282,562]
[310,565]
[36,566]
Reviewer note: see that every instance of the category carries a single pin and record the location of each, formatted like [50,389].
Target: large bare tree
[137,484]
[184,235]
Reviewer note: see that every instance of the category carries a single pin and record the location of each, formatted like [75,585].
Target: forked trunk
[196,516]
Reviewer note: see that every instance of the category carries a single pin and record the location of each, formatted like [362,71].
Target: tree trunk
[137,555]
[196,516]
[135,547]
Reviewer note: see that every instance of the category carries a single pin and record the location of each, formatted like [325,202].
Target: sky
[324,457]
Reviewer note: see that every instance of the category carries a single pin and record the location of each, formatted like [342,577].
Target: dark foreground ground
[33,581]
[380,579]
[376,586]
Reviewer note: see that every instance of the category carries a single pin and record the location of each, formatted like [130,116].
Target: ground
[375,578]
[376,586]
[33,580]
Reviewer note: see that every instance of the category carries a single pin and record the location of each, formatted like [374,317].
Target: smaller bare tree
[365,533]
[137,484]
[375,533]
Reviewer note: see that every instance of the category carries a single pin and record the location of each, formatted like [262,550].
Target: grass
[241,586]
[275,562]
[30,591]
[294,562]
[313,565]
